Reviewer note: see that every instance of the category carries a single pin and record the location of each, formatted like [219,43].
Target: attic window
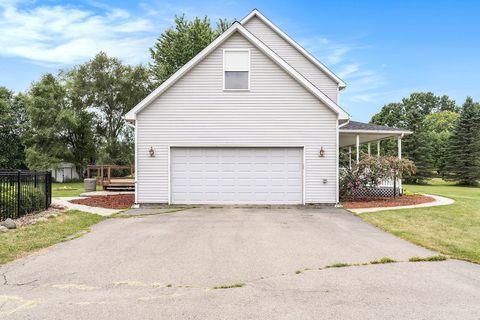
[236,69]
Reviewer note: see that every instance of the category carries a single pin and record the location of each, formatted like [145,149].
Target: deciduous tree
[61,129]
[179,44]
[110,88]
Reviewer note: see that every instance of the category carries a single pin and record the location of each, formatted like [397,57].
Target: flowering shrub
[370,172]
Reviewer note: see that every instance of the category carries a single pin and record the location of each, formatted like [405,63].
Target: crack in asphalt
[6,283]
[139,284]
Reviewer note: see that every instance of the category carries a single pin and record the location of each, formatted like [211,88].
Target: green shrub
[31,200]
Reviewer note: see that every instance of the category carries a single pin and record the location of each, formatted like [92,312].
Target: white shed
[64,172]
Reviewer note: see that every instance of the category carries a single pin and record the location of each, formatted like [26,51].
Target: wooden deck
[106,178]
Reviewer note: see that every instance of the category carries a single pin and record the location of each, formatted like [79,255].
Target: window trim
[249,67]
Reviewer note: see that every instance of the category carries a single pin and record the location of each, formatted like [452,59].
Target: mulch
[117,201]
[405,200]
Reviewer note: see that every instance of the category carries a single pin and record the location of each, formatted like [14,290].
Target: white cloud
[364,80]
[63,35]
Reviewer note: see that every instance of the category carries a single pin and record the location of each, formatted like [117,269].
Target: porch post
[399,143]
[378,148]
[369,149]
[350,157]
[358,148]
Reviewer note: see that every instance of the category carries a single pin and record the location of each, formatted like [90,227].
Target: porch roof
[367,132]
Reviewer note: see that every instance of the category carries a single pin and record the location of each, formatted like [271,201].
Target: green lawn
[68,189]
[452,230]
[20,242]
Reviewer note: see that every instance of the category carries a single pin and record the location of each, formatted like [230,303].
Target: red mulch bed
[117,201]
[358,203]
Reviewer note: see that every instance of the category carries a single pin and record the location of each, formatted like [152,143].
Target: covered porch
[353,135]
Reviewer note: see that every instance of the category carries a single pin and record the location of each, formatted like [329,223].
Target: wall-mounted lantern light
[152,152]
[322,153]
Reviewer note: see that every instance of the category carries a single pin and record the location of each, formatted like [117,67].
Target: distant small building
[65,172]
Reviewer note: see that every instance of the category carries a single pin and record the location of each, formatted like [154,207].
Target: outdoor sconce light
[152,152]
[322,153]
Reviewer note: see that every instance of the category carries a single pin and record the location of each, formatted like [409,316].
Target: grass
[229,286]
[453,230]
[431,258]
[68,189]
[383,261]
[20,242]
[339,265]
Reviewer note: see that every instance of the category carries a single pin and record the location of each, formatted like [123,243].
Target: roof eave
[396,132]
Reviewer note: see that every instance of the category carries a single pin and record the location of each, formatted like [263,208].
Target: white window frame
[249,67]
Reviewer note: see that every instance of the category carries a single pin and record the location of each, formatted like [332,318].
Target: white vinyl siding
[293,57]
[236,175]
[276,112]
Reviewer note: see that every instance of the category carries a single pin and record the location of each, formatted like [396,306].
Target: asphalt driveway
[164,267]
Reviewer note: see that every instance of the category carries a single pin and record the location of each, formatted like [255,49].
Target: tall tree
[61,130]
[464,146]
[176,46]
[111,89]
[12,128]
[410,114]
[439,127]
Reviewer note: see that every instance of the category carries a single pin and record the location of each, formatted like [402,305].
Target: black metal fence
[23,192]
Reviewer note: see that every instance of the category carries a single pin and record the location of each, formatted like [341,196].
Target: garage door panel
[237,175]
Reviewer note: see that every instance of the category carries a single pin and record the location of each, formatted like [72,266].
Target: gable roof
[286,37]
[237,27]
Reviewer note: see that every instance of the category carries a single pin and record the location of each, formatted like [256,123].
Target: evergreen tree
[464,146]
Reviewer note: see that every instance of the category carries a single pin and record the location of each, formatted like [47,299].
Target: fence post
[48,186]
[19,193]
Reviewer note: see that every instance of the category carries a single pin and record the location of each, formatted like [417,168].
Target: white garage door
[236,175]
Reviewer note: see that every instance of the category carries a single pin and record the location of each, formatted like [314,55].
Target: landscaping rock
[3,229]
[9,223]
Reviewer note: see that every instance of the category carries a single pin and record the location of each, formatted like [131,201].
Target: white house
[252,119]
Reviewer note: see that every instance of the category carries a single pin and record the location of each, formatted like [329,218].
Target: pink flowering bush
[370,172]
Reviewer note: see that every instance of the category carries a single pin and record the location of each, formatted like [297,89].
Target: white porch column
[378,148]
[350,157]
[399,143]
[358,148]
[369,153]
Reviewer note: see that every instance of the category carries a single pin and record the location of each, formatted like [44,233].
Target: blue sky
[384,50]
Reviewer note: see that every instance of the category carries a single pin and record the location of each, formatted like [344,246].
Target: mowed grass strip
[453,230]
[68,189]
[20,242]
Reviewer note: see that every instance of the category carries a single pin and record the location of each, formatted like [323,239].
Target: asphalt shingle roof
[355,125]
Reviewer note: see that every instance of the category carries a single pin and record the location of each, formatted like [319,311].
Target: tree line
[77,114]
[446,137]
